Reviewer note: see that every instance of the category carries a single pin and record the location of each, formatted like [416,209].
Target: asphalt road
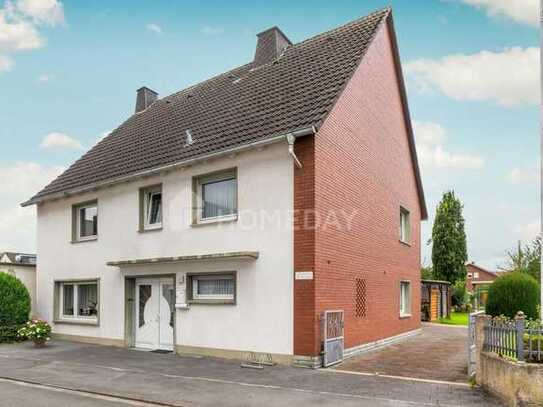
[183,381]
[15,394]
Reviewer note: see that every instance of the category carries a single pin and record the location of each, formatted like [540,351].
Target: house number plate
[303,275]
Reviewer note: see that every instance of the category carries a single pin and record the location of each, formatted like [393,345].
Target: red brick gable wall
[363,167]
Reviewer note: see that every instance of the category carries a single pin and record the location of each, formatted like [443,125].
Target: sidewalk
[189,381]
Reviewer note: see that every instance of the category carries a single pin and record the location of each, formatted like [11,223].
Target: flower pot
[39,343]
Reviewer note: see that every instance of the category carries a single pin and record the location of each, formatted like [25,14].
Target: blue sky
[69,72]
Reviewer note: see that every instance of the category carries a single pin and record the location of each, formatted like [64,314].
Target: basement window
[405,299]
[215,288]
[77,301]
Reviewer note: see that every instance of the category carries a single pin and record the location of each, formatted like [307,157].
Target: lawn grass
[457,318]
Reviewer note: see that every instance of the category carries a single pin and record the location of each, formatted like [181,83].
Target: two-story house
[228,217]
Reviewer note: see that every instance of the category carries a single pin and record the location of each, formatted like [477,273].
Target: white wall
[27,275]
[262,319]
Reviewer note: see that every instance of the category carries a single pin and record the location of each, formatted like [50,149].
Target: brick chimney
[271,43]
[145,97]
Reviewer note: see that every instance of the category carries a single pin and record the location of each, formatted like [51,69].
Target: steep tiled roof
[246,105]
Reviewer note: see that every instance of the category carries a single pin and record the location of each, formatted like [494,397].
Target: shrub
[511,293]
[459,293]
[35,330]
[14,307]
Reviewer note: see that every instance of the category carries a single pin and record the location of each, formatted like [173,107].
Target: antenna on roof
[188,140]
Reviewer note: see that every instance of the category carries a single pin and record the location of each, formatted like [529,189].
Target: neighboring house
[22,266]
[478,280]
[478,276]
[228,217]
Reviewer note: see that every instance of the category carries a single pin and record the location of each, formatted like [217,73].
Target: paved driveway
[190,381]
[439,353]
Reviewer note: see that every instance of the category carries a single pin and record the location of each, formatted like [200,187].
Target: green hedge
[14,306]
[511,293]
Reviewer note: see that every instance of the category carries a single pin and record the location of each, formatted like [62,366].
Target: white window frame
[405,225]
[147,196]
[405,309]
[209,179]
[476,274]
[76,316]
[78,208]
[220,297]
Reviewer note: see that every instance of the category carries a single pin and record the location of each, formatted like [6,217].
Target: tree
[525,259]
[426,273]
[449,247]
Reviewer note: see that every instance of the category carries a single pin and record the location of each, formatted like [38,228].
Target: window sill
[212,302]
[405,316]
[151,229]
[77,322]
[92,239]
[213,221]
[405,243]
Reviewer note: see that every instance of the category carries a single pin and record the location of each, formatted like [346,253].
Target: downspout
[291,138]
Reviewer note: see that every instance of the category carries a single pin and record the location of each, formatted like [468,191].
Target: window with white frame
[151,207]
[213,288]
[405,226]
[85,221]
[78,300]
[405,298]
[216,195]
[476,274]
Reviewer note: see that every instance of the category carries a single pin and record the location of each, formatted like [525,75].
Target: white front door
[155,306]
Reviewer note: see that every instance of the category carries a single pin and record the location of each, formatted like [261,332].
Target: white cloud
[509,77]
[45,77]
[430,139]
[60,140]
[154,28]
[523,175]
[529,231]
[18,26]
[209,30]
[17,34]
[522,11]
[5,63]
[49,12]
[19,182]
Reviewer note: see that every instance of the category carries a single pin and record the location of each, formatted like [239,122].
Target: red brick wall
[363,167]
[305,341]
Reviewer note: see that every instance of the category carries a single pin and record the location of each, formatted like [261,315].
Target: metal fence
[516,339]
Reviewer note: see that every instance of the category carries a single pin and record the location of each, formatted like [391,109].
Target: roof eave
[407,118]
[305,131]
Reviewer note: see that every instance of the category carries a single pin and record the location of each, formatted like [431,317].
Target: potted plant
[36,330]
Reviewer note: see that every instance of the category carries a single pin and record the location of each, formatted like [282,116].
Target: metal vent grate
[360,300]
